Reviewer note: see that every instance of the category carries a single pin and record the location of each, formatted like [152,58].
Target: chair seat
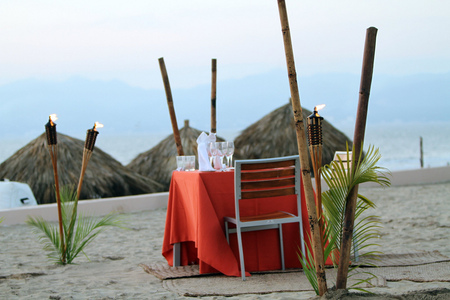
[268,216]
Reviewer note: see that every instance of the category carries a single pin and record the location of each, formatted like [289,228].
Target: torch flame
[97,125]
[319,107]
[52,118]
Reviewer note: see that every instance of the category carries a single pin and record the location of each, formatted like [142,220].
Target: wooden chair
[265,178]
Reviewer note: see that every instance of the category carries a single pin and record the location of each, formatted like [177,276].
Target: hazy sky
[114,39]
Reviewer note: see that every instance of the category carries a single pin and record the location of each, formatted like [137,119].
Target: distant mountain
[79,102]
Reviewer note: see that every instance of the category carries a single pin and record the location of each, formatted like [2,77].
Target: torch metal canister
[315,128]
[315,150]
[91,137]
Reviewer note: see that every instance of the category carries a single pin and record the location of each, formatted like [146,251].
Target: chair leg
[227,234]
[302,242]
[280,231]
[241,252]
[355,248]
[177,254]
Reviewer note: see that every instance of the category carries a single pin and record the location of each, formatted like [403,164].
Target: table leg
[176,254]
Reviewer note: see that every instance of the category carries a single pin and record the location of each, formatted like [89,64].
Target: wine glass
[208,149]
[221,151]
[214,153]
[229,154]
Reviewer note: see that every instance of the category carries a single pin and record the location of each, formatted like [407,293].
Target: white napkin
[203,159]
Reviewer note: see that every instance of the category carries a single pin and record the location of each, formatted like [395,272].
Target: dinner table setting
[198,202]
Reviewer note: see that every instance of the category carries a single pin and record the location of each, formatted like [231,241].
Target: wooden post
[173,118]
[303,152]
[213,94]
[421,152]
[358,139]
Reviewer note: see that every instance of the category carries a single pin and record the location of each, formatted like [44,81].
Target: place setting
[213,156]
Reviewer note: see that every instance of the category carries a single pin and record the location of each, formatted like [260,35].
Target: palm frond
[354,272]
[48,236]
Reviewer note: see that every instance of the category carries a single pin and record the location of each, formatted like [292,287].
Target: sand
[414,218]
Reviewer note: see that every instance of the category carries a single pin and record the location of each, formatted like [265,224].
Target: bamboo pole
[316,159]
[173,118]
[421,152]
[53,149]
[52,143]
[358,139]
[303,152]
[86,157]
[213,95]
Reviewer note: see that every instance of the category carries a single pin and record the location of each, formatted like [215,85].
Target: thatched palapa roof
[274,135]
[104,177]
[159,162]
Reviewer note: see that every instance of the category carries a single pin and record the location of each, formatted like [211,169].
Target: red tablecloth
[198,201]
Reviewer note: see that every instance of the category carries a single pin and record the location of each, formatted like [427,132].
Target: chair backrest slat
[267,184]
[268,173]
[268,165]
[267,193]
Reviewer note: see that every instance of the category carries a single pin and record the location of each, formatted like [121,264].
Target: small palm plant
[341,177]
[78,232]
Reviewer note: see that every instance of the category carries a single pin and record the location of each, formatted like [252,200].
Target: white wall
[97,207]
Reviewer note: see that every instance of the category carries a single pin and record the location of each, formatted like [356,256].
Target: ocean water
[399,144]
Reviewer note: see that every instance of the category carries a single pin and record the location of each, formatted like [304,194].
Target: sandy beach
[414,218]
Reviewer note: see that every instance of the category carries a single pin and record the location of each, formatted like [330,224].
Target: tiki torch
[50,130]
[91,137]
[315,150]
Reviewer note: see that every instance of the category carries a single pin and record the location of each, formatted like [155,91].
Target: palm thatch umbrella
[104,177]
[274,135]
[159,162]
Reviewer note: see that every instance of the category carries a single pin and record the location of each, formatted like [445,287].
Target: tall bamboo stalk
[303,152]
[213,95]
[173,118]
[358,139]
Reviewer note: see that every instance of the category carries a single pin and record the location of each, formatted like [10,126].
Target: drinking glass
[208,149]
[213,149]
[221,151]
[180,163]
[229,154]
[190,163]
